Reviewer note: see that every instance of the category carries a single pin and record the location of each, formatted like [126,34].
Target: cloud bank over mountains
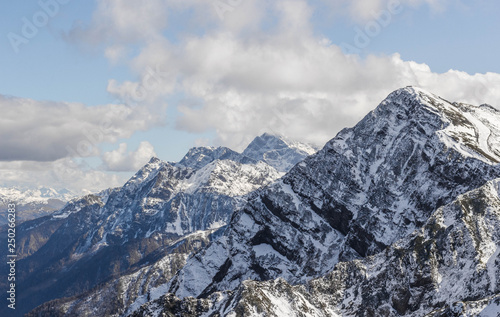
[235,68]
[247,75]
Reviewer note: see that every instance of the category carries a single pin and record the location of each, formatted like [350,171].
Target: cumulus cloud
[118,22]
[299,86]
[48,131]
[122,161]
[77,174]
[272,72]
[366,10]
[246,67]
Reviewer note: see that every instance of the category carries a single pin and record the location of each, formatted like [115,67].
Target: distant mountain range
[32,203]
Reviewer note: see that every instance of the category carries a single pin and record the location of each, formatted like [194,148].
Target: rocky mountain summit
[368,188]
[279,152]
[275,150]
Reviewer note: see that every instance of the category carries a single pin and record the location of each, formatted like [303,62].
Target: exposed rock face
[114,297]
[367,188]
[486,307]
[449,267]
[142,220]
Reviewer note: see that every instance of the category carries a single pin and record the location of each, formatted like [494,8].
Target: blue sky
[218,73]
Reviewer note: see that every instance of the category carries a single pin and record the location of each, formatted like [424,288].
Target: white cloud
[363,11]
[256,66]
[115,53]
[76,174]
[117,22]
[47,131]
[260,67]
[122,161]
[299,86]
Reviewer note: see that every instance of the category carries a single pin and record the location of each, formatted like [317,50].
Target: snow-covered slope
[486,307]
[159,205]
[115,296]
[368,187]
[449,267]
[395,216]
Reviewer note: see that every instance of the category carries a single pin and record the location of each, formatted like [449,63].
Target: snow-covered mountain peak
[368,187]
[147,172]
[278,151]
[268,141]
[335,214]
[473,131]
[32,202]
[129,228]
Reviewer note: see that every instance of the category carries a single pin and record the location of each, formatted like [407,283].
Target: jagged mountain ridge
[198,157]
[368,187]
[125,231]
[155,208]
[458,145]
[275,150]
[449,267]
